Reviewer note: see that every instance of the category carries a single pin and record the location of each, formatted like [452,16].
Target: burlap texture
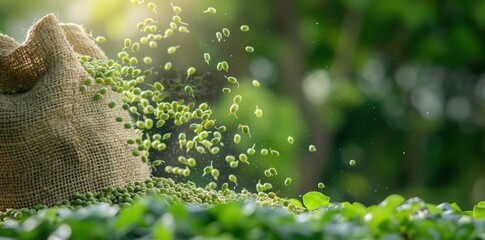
[54,140]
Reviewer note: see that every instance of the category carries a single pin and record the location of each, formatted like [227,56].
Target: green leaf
[468,213]
[392,201]
[456,207]
[129,217]
[160,231]
[314,200]
[479,210]
[229,215]
[296,202]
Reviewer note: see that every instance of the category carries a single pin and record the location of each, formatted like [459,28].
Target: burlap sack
[54,140]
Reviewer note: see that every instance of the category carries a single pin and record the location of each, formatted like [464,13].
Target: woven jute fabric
[55,140]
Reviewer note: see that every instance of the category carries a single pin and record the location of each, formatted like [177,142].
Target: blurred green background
[396,85]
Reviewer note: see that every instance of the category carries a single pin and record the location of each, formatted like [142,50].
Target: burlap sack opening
[54,140]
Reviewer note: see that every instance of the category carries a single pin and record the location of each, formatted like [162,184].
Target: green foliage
[479,210]
[314,200]
[152,218]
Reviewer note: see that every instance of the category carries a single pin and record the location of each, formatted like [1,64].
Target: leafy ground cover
[151,217]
